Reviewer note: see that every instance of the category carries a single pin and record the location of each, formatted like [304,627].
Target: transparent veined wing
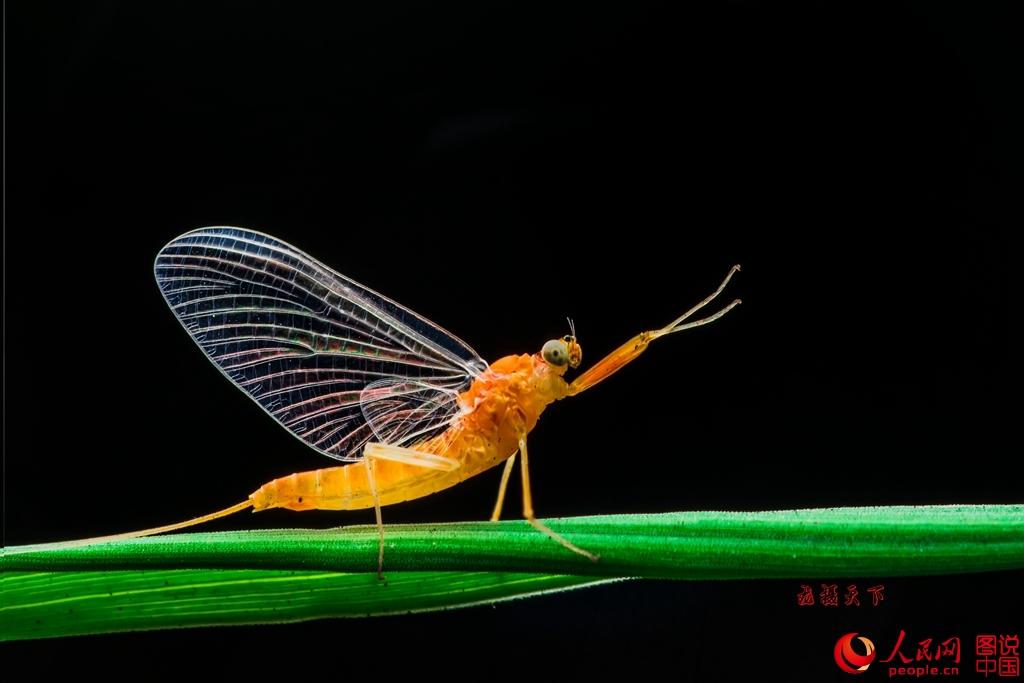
[402,411]
[334,362]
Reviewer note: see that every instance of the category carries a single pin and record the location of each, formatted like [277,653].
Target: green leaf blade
[49,605]
[275,575]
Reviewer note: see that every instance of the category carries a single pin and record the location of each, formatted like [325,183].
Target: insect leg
[373,452]
[410,456]
[371,465]
[675,325]
[524,468]
[501,489]
[629,351]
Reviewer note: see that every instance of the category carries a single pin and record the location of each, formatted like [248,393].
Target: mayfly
[409,408]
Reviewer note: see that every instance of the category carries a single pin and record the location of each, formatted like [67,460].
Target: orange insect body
[360,378]
[504,403]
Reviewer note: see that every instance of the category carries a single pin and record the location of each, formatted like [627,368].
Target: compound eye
[556,352]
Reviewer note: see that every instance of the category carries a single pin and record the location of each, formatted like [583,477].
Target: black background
[497,167]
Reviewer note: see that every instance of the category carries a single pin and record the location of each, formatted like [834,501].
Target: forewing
[305,342]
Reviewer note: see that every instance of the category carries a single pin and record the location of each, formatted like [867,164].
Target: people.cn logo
[848,659]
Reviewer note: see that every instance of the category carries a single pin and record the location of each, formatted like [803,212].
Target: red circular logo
[851,661]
